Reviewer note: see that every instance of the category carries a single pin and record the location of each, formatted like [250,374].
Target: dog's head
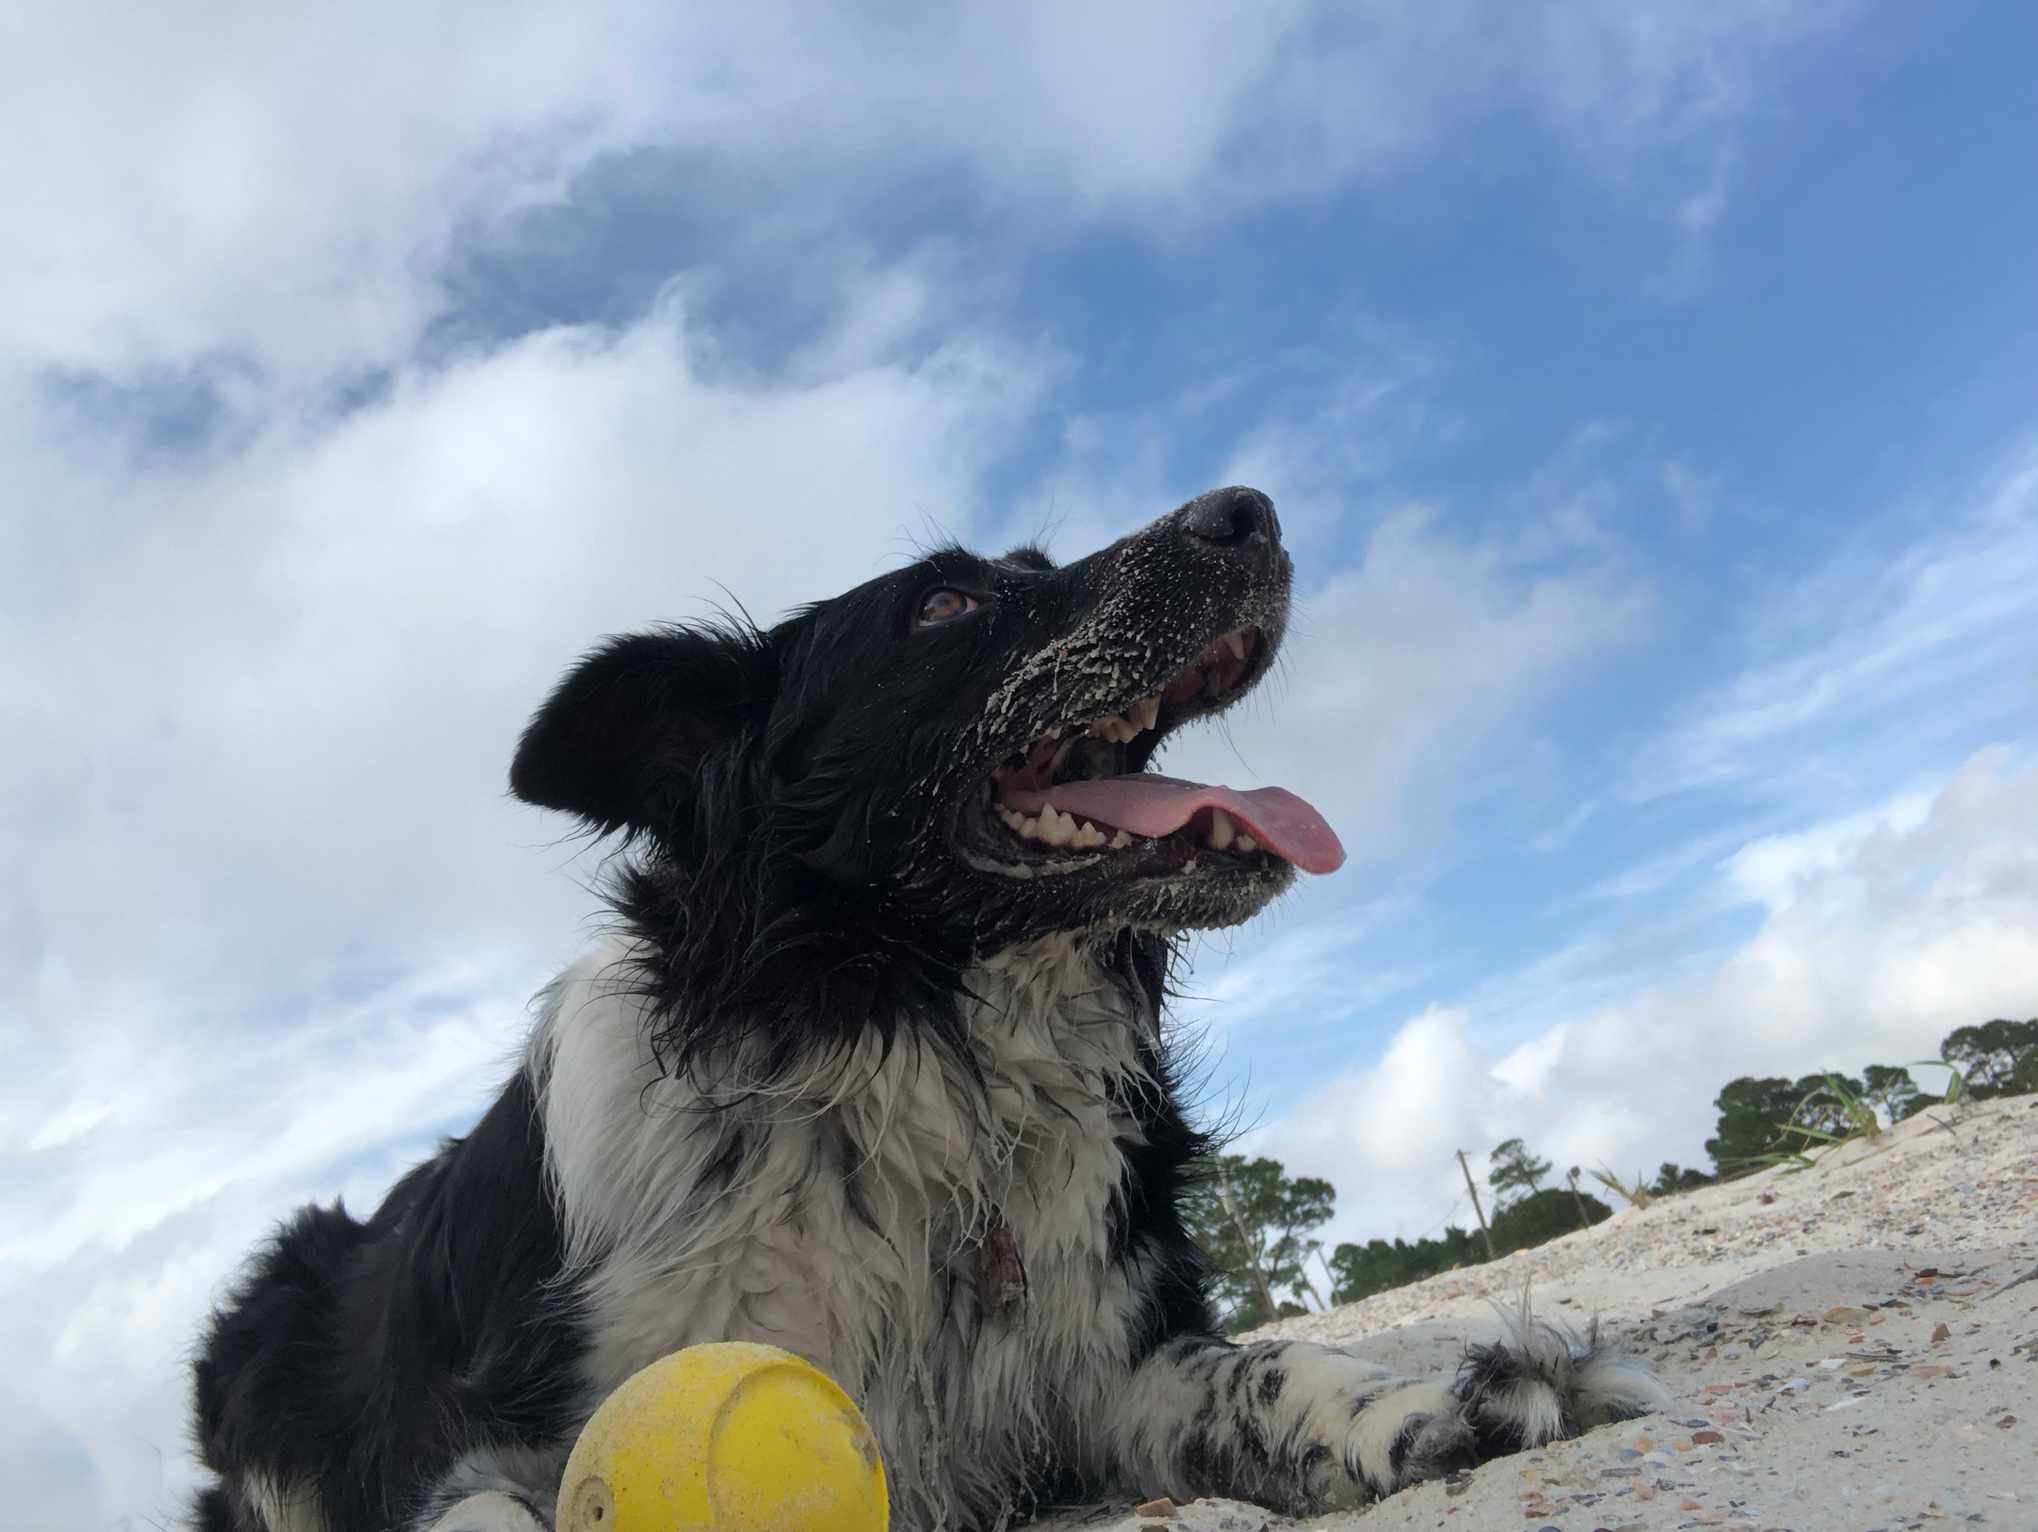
[950,758]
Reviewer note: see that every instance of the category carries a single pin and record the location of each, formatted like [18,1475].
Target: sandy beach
[1848,1349]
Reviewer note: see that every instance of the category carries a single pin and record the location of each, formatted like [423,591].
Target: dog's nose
[1232,517]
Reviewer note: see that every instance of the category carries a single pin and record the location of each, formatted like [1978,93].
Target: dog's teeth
[1144,712]
[1115,728]
[1221,830]
[1030,827]
[1087,836]
[1245,845]
[1011,817]
[1235,642]
[1120,841]
[1056,828]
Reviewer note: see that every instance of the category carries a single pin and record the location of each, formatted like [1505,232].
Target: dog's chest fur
[868,1218]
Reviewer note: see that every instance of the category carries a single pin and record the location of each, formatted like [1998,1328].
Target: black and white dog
[874,1069]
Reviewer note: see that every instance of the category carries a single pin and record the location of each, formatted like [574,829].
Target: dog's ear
[620,739]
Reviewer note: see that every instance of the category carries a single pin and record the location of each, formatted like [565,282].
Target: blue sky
[1648,391]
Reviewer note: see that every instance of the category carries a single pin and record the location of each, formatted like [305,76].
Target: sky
[1650,393]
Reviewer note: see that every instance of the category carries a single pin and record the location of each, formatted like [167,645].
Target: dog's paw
[491,1511]
[1541,1384]
[1537,1385]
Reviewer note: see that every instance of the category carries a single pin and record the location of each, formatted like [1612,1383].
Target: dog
[873,1067]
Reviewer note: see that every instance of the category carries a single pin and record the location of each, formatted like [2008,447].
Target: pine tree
[1998,1058]
[1515,1171]
[1254,1220]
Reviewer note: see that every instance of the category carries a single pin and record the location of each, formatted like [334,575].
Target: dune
[1848,1348]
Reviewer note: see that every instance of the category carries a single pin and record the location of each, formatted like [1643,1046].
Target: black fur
[362,1358]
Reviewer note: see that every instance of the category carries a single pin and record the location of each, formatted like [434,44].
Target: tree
[1998,1058]
[1542,1216]
[1376,1266]
[1752,1114]
[1515,1170]
[1672,1177]
[1756,1115]
[1254,1221]
[1891,1089]
[1819,1109]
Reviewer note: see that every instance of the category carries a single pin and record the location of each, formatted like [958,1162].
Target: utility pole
[1584,1221]
[1484,1232]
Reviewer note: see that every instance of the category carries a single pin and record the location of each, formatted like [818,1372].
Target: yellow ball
[727,1437]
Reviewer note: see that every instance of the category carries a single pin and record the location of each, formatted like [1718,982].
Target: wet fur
[841,1046]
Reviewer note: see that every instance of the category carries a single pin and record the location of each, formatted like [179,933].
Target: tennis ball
[727,1437]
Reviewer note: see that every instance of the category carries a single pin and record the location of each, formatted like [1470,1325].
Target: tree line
[1258,1223]
[1760,1115]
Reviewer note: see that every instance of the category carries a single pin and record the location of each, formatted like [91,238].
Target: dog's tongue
[1145,804]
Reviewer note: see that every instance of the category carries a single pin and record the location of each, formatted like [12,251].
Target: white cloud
[304,664]
[1882,931]
[285,186]
[1778,870]
[1400,670]
[1277,969]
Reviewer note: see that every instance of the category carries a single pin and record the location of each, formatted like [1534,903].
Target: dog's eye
[945,606]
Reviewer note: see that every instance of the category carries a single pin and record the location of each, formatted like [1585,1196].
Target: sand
[1848,1348]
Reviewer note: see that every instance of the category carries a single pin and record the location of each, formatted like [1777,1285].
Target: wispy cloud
[131,1182]
[1928,618]
[1667,867]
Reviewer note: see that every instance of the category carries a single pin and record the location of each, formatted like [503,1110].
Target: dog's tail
[1540,1384]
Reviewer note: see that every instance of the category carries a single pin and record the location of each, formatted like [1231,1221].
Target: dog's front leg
[495,1490]
[1286,1424]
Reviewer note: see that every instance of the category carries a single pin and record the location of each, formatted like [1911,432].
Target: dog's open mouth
[1080,792]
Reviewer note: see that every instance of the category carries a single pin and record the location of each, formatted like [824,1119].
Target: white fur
[664,1255]
[490,1511]
[485,1491]
[282,1506]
